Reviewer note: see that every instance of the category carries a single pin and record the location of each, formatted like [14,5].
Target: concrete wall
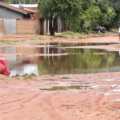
[6,13]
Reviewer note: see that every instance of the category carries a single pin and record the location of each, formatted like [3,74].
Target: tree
[115,4]
[107,19]
[7,1]
[92,16]
[108,13]
[52,9]
[87,4]
[97,12]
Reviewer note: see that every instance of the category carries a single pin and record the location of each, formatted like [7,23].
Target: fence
[1,26]
[20,26]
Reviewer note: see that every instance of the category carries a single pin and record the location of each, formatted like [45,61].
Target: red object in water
[4,69]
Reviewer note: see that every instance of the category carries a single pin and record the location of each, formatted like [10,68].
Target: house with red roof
[18,11]
[31,9]
[20,19]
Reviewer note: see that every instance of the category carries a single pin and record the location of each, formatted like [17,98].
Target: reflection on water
[45,49]
[85,62]
[86,44]
[53,60]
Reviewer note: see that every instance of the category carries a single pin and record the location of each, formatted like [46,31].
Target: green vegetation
[32,38]
[26,76]
[8,41]
[17,75]
[66,87]
[81,15]
[39,38]
[52,9]
[69,33]
[79,61]
[65,77]
[83,35]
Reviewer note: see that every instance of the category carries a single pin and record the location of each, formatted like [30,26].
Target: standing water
[59,59]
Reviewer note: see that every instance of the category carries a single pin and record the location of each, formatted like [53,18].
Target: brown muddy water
[57,58]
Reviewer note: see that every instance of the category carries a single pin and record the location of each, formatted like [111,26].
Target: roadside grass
[37,38]
[65,77]
[114,30]
[26,76]
[90,34]
[17,75]
[98,34]
[8,41]
[32,39]
[41,38]
[66,87]
[69,33]
[75,34]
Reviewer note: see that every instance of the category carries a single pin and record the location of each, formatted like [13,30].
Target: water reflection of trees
[79,61]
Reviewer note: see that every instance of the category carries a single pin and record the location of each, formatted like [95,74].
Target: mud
[31,99]
[26,100]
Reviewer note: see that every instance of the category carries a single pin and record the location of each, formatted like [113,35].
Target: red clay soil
[98,96]
[97,99]
[105,38]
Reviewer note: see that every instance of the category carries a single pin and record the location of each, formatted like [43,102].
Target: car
[99,29]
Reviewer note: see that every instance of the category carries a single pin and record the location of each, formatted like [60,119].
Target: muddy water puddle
[66,87]
[56,59]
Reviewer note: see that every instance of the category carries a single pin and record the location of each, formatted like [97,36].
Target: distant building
[11,12]
[13,20]
[31,9]
[19,19]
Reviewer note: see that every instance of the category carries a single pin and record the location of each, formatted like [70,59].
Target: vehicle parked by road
[99,29]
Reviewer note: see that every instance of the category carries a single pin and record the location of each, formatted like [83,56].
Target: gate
[9,26]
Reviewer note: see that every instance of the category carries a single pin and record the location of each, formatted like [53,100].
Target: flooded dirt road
[62,97]
[86,97]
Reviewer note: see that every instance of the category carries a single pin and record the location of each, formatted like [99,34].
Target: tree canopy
[68,10]
[82,15]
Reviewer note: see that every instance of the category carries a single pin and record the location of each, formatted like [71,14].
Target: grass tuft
[8,41]
[28,76]
[66,87]
[68,33]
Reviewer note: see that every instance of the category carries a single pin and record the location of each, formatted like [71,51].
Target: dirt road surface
[96,97]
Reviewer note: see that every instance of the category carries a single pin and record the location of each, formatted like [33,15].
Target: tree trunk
[52,26]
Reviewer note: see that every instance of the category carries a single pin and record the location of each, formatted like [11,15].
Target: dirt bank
[111,37]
